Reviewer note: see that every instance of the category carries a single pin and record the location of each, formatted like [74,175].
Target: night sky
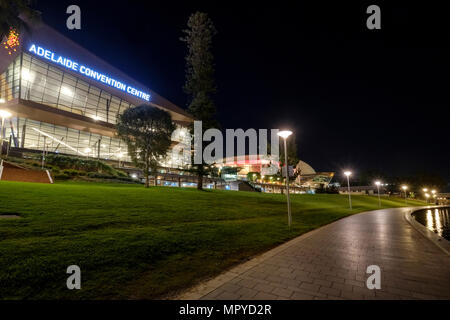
[355,98]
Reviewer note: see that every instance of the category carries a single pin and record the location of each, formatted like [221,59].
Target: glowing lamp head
[433,191]
[404,188]
[348,173]
[425,190]
[5,114]
[284,134]
[377,183]
[427,195]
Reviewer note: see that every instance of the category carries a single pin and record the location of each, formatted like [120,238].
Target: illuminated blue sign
[88,72]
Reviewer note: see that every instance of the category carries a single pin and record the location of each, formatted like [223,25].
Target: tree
[200,84]
[12,14]
[147,132]
[253,176]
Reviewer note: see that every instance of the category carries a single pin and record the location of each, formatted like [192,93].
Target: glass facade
[54,87]
[40,82]
[34,135]
[10,81]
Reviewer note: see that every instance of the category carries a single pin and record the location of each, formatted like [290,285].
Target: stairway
[247,186]
[13,172]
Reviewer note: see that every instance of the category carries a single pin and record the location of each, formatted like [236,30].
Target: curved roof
[305,168]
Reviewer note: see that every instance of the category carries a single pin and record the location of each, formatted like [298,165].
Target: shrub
[71,172]
[55,170]
[61,176]
[82,165]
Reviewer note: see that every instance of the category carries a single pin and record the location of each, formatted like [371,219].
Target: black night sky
[357,98]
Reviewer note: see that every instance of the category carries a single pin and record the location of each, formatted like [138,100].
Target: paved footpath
[331,263]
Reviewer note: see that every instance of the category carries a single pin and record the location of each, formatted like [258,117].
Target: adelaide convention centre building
[64,97]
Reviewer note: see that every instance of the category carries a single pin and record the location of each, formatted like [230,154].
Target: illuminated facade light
[66,91]
[27,75]
[5,114]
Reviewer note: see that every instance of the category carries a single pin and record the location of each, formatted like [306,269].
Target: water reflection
[430,223]
[437,220]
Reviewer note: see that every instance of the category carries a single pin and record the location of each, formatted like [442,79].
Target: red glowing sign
[12,41]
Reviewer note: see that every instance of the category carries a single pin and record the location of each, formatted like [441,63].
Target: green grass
[132,242]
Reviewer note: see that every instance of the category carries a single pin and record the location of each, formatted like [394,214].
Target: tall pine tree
[200,84]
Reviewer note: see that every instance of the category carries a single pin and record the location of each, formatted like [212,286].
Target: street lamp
[285,134]
[378,183]
[425,190]
[427,195]
[434,195]
[348,174]
[404,189]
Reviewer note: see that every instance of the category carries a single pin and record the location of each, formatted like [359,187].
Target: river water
[437,220]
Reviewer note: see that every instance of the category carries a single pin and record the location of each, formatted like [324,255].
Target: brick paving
[331,263]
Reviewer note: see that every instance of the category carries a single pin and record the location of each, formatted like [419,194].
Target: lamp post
[4,115]
[285,134]
[427,195]
[433,192]
[378,183]
[348,174]
[404,189]
[425,190]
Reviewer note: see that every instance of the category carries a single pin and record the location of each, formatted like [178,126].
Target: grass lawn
[136,243]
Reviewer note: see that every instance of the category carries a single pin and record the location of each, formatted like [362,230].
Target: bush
[96,175]
[99,175]
[61,176]
[55,170]
[72,173]
[82,165]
